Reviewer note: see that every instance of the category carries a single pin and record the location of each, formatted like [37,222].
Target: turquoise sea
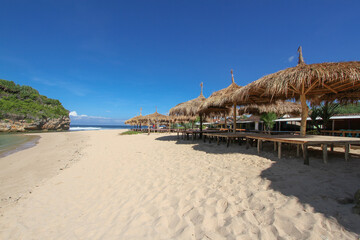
[10,143]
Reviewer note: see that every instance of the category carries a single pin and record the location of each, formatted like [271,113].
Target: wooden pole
[304,114]
[201,125]
[234,127]
[225,120]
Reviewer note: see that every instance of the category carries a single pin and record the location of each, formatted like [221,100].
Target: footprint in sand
[221,206]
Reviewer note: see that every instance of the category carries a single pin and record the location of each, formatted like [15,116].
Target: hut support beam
[234,127]
[201,125]
[304,114]
[225,120]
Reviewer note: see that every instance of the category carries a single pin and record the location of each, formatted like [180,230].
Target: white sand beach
[101,185]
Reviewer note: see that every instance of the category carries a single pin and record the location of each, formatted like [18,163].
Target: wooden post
[274,146]
[225,120]
[297,150]
[347,151]
[325,155]
[247,143]
[258,145]
[305,154]
[279,150]
[227,142]
[304,114]
[234,130]
[218,140]
[201,124]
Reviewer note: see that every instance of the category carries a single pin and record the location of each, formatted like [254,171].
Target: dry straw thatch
[189,108]
[220,101]
[135,120]
[279,107]
[313,82]
[154,118]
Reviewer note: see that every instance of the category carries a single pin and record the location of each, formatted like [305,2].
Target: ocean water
[11,143]
[97,127]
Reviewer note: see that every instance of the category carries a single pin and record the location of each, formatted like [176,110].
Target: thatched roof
[189,108]
[154,117]
[321,81]
[279,107]
[220,100]
[135,120]
[182,119]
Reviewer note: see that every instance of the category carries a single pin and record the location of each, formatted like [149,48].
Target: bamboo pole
[234,127]
[225,120]
[201,124]
[304,114]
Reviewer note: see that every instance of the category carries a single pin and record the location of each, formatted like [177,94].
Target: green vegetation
[23,102]
[129,133]
[325,111]
[350,108]
[268,119]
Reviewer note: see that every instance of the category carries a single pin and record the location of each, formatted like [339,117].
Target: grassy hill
[23,102]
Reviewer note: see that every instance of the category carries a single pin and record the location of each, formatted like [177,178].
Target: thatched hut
[189,109]
[135,120]
[154,118]
[221,101]
[279,107]
[306,82]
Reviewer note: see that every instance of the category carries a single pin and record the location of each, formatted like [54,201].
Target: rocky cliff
[8,125]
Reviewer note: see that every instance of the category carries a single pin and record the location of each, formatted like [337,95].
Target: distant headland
[22,108]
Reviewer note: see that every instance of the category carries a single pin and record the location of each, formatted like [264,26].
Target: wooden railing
[343,133]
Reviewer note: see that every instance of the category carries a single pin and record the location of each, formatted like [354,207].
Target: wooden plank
[325,155]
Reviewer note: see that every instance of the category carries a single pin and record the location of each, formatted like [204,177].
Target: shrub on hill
[23,102]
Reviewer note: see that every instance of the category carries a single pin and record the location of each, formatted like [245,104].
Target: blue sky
[106,59]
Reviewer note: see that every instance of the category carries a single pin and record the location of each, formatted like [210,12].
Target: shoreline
[99,184]
[28,141]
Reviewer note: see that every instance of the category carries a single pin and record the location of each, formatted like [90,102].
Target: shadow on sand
[320,185]
[207,147]
[317,186]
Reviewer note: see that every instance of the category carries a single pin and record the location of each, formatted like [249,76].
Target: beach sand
[159,187]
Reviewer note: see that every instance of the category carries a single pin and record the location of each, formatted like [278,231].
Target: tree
[268,119]
[325,111]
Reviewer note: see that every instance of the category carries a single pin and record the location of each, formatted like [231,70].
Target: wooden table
[304,142]
[186,134]
[228,136]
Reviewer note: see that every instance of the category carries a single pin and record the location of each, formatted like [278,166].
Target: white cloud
[291,58]
[73,114]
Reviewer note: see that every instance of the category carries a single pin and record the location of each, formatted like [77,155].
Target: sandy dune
[156,187]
